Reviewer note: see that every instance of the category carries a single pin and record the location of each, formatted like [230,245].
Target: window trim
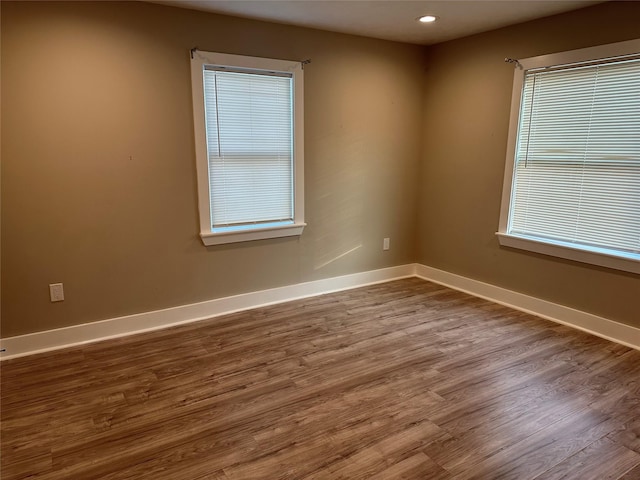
[595,256]
[208,235]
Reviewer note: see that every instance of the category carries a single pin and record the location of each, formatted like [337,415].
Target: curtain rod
[513,60]
[302,62]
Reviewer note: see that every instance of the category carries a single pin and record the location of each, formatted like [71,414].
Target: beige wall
[467,100]
[98,168]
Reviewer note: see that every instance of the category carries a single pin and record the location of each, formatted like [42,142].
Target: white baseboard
[48,340]
[587,322]
[13,347]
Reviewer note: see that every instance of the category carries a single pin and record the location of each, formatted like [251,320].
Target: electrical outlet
[385,244]
[56,292]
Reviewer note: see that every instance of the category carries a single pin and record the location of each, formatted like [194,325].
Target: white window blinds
[577,165]
[249,131]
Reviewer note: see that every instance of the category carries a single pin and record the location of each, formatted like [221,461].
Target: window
[572,180]
[249,147]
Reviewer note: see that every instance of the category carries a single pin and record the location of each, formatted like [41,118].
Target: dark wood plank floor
[400,380]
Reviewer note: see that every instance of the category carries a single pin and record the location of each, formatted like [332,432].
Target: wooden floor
[395,381]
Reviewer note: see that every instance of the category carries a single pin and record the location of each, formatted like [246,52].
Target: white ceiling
[390,19]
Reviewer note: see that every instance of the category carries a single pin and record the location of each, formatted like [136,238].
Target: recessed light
[427,19]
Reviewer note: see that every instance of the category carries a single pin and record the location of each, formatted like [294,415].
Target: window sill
[247,235]
[627,262]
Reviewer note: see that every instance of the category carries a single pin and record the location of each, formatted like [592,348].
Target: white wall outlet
[385,244]
[56,292]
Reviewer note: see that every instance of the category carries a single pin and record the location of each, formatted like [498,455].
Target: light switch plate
[56,292]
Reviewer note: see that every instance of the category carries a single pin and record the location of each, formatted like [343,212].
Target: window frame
[592,255]
[209,236]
